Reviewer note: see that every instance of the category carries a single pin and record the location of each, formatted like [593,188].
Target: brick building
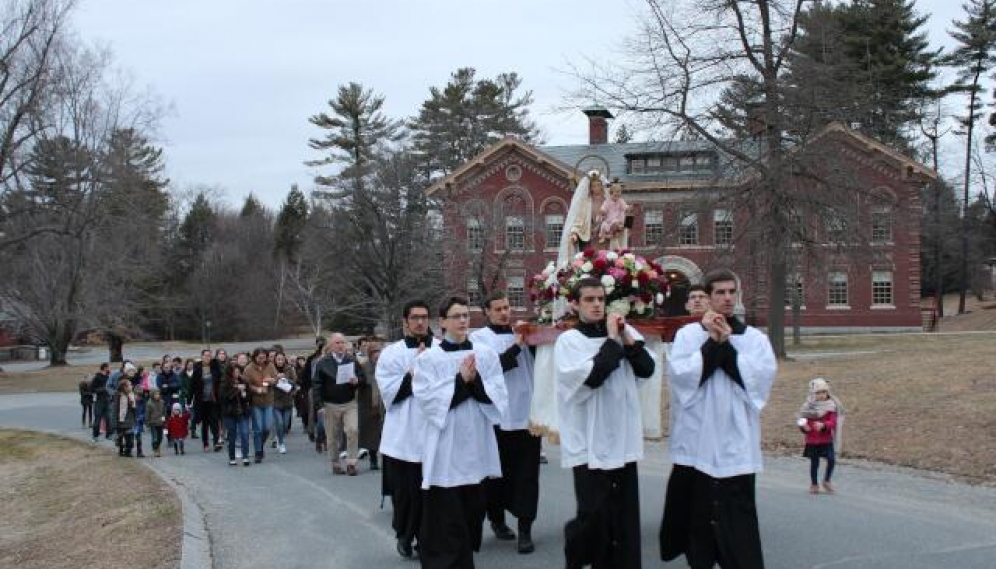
[506,208]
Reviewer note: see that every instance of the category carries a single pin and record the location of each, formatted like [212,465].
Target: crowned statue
[594,220]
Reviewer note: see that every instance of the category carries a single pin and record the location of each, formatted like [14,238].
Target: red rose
[600,265]
[589,253]
[643,278]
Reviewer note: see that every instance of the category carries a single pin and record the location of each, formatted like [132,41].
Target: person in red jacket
[176,428]
[818,422]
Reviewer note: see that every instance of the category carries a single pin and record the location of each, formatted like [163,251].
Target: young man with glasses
[403,434]
[460,389]
[598,365]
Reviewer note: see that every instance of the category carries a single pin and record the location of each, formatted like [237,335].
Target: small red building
[506,209]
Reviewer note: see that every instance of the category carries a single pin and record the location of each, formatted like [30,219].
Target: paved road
[290,512]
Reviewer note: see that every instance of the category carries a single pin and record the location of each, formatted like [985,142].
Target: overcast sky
[243,76]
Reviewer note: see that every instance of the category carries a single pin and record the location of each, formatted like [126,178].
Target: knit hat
[129,367]
[819,384]
[176,407]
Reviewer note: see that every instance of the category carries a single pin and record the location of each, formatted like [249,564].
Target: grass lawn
[50,379]
[68,505]
[925,401]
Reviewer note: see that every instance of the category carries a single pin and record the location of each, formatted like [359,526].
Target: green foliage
[131,174]
[973,59]
[467,115]
[290,225]
[196,234]
[355,130]
[866,62]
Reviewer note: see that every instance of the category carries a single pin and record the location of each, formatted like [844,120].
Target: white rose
[659,298]
[608,281]
[586,267]
[629,256]
[636,284]
[579,256]
[639,266]
[620,306]
[640,307]
[612,256]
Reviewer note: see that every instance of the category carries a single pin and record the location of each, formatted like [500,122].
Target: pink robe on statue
[613,218]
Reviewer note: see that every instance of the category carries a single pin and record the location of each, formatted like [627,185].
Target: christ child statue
[613,214]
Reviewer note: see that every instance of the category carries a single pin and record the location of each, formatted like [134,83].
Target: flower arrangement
[633,285]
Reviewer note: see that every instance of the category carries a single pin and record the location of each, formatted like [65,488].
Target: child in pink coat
[818,422]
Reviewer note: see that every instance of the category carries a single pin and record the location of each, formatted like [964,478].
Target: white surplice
[518,380]
[599,427]
[460,446]
[716,425]
[404,425]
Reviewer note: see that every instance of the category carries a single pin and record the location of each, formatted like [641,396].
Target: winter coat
[123,414]
[285,400]
[234,402]
[155,413]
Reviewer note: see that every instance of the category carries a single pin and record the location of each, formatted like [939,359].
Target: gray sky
[243,76]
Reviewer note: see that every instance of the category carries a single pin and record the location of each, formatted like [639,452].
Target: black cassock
[711,520]
[606,532]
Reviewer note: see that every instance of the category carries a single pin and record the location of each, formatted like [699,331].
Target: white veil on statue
[580,208]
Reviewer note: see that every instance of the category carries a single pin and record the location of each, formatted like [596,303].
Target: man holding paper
[336,379]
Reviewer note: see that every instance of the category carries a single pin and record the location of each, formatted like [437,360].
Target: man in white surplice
[403,434]
[518,488]
[598,364]
[721,373]
[460,389]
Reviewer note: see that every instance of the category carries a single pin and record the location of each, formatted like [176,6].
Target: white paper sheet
[344,372]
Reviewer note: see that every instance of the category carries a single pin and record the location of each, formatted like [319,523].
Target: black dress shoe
[404,549]
[502,531]
[525,544]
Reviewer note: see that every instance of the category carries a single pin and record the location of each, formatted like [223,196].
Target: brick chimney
[598,124]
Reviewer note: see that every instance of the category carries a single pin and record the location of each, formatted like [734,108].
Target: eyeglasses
[459,316]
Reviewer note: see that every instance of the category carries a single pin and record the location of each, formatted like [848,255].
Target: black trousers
[101,410]
[711,520]
[452,519]
[207,416]
[518,489]
[87,412]
[606,532]
[403,482]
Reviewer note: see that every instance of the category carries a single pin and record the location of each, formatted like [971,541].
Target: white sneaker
[238,453]
[343,455]
[283,449]
[363,453]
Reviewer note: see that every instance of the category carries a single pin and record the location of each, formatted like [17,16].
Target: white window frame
[475,234]
[722,219]
[689,223]
[800,289]
[553,236]
[653,233]
[515,290]
[881,212]
[837,278]
[515,233]
[877,280]
[473,294]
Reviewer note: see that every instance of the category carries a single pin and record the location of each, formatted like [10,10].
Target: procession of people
[448,417]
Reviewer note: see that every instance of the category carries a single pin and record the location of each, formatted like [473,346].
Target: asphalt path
[290,511]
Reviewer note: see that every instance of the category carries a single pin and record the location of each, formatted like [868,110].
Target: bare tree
[685,56]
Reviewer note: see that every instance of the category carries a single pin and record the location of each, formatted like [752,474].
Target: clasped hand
[717,326]
[468,369]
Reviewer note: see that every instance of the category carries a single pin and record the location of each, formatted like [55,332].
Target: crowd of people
[447,418]
[250,396]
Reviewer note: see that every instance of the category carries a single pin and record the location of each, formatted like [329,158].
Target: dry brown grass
[50,379]
[925,401]
[69,505]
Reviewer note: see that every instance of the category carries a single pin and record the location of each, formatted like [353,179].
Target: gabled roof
[494,151]
[571,160]
[900,160]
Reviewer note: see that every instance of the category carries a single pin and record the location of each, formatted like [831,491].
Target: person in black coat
[204,388]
